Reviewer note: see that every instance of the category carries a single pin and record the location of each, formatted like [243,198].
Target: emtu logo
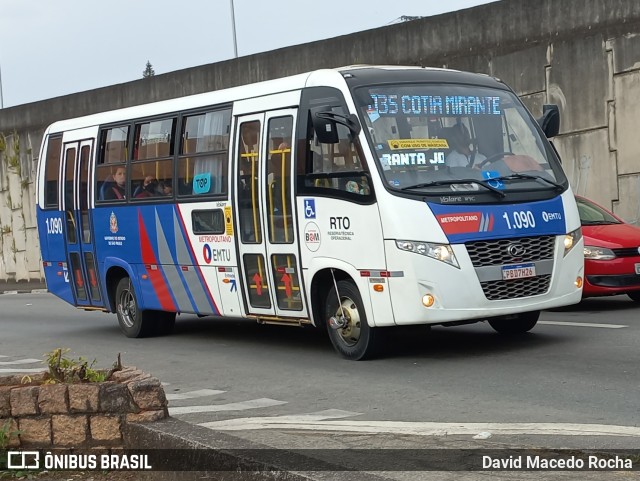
[23,460]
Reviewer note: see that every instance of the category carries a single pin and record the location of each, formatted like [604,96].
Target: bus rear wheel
[516,324]
[347,325]
[133,321]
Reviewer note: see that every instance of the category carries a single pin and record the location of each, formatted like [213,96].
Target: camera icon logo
[23,460]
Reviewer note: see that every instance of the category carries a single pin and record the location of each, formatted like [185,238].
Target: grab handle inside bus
[324,123]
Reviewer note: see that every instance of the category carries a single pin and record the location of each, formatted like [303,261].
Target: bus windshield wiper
[456,182]
[519,175]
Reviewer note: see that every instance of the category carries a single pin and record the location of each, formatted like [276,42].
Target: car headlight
[598,253]
[441,252]
[571,239]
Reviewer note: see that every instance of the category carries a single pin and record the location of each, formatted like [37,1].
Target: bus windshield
[435,138]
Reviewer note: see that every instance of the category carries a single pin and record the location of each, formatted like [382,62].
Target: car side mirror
[550,120]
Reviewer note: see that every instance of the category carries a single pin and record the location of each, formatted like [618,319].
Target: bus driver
[461,154]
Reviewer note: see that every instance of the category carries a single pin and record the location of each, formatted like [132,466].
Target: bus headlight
[571,239]
[441,252]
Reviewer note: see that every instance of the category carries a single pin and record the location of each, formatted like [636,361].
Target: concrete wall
[583,55]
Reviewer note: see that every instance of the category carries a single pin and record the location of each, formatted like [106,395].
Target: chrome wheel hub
[347,322]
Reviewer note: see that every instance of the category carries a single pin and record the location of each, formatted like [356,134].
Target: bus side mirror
[550,120]
[325,124]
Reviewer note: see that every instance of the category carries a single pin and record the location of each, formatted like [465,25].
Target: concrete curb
[23,288]
[221,450]
[237,456]
[24,291]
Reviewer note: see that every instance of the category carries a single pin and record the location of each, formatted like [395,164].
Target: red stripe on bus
[155,276]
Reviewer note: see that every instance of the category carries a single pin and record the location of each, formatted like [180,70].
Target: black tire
[635,296]
[133,322]
[357,340]
[517,324]
[163,322]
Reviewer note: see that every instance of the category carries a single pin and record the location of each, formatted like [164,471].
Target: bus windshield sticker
[492,174]
[392,104]
[411,158]
[202,183]
[397,144]
[373,114]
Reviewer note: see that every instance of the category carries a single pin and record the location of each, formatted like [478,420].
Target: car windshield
[432,138]
[593,214]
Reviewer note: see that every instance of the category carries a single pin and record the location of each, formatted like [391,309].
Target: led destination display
[392,104]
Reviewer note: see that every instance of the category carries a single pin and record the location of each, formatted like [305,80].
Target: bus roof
[359,75]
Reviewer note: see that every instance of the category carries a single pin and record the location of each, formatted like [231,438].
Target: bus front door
[270,264]
[83,274]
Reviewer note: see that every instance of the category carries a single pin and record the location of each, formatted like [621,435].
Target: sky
[50,48]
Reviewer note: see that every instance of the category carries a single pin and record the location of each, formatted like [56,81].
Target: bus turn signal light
[428,300]
[378,287]
[578,282]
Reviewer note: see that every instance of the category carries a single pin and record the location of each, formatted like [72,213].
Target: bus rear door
[263,201]
[76,191]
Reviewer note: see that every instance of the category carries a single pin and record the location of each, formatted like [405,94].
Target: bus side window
[114,153]
[203,154]
[330,164]
[52,173]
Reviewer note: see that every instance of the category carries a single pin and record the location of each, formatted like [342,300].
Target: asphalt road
[576,370]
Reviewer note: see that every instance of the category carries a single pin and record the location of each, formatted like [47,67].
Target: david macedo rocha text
[592,462]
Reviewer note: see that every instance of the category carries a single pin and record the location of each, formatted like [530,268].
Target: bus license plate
[638,268]
[518,272]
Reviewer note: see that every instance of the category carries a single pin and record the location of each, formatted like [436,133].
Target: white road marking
[3,356]
[230,424]
[239,406]
[423,428]
[582,324]
[21,361]
[9,371]
[193,394]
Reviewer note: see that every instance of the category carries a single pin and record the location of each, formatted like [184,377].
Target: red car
[611,252]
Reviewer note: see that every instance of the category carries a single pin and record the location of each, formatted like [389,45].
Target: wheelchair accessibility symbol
[309,209]
[489,175]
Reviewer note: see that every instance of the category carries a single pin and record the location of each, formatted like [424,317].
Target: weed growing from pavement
[63,369]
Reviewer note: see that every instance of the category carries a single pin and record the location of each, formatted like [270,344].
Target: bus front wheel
[133,321]
[347,325]
[516,324]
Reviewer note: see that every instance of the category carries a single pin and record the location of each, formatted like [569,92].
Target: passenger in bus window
[461,154]
[117,190]
[164,188]
[149,188]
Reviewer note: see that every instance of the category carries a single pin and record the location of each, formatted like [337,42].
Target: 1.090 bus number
[54,225]
[520,220]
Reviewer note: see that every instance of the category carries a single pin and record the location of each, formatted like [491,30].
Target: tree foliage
[148,71]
